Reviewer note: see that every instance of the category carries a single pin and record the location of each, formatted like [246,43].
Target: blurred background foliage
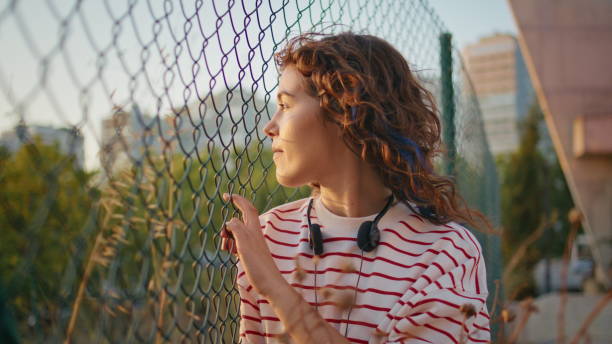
[534,193]
[102,234]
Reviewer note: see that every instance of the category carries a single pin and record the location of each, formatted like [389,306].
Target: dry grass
[121,207]
[126,192]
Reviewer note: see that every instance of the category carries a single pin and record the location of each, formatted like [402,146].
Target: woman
[376,254]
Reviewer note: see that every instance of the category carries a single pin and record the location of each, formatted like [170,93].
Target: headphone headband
[368,233]
[384,211]
[376,219]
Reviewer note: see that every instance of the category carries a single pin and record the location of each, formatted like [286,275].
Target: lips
[276,152]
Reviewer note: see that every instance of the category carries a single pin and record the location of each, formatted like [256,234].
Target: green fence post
[447,101]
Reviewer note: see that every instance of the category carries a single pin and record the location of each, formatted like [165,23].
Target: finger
[225,233]
[226,239]
[229,245]
[250,214]
[228,242]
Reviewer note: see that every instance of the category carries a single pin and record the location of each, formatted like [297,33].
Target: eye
[282,106]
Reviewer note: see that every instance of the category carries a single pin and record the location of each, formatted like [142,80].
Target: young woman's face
[304,145]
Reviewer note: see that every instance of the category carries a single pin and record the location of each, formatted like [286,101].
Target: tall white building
[504,90]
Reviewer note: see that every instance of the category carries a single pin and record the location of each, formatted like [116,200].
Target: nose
[271,128]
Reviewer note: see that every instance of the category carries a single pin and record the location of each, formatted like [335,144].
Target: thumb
[235,226]
[250,215]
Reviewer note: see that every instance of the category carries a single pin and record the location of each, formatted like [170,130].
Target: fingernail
[225,196]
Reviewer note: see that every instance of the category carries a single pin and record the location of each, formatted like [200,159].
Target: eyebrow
[284,93]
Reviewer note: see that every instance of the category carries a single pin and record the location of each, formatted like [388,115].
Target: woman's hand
[250,245]
[301,321]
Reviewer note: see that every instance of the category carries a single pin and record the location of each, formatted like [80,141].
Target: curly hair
[387,117]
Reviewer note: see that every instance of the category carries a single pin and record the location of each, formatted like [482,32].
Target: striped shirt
[413,288]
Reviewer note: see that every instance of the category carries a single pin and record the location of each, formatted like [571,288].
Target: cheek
[301,160]
[317,153]
[330,141]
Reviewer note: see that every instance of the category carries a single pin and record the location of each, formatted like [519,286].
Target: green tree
[137,253]
[45,204]
[533,189]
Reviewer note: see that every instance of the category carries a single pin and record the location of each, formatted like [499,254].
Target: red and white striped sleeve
[251,328]
[443,316]
[447,303]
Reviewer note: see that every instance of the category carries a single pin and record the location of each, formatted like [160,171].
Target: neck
[354,192]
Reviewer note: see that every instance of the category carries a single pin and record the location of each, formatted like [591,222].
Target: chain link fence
[122,124]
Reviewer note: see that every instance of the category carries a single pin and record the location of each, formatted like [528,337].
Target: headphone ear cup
[368,236]
[316,239]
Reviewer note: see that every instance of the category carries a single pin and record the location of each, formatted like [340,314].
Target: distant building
[196,129]
[114,129]
[502,85]
[128,137]
[68,141]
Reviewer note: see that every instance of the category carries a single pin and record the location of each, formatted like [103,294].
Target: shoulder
[450,251]
[450,237]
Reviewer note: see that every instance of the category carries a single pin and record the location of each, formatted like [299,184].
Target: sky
[70,77]
[469,20]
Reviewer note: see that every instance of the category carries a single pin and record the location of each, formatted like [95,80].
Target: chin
[289,181]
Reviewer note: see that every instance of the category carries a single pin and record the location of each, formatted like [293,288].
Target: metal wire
[124,122]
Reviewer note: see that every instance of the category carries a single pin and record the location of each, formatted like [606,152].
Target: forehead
[291,81]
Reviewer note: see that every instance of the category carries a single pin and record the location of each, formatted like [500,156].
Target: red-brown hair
[387,117]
